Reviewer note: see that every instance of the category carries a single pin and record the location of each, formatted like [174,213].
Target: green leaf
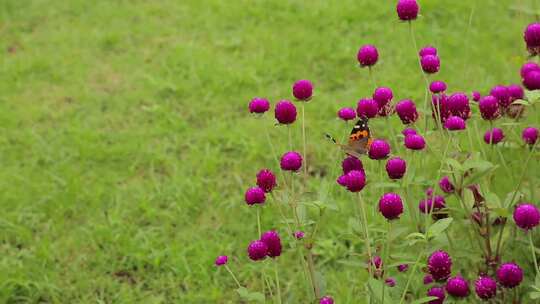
[454,164]
[534,295]
[502,212]
[423,300]
[245,294]
[376,288]
[440,226]
[492,200]
[521,102]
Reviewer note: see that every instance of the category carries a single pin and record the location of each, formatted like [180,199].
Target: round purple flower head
[485,287]
[355,180]
[379,149]
[406,110]
[436,203]
[266,179]
[396,168]
[346,114]
[342,180]
[526,216]
[390,206]
[493,136]
[430,64]
[258,105]
[299,235]
[255,195]
[530,135]
[303,90]
[440,265]
[516,92]
[391,282]
[351,163]
[445,185]
[476,96]
[257,250]
[532,38]
[407,10]
[415,142]
[458,287]
[291,161]
[502,94]
[454,123]
[273,242]
[367,55]
[458,104]
[326,300]
[509,275]
[532,80]
[221,260]
[427,50]
[403,267]
[437,87]
[436,292]
[367,108]
[428,279]
[408,131]
[383,95]
[285,112]
[489,108]
[377,266]
[528,67]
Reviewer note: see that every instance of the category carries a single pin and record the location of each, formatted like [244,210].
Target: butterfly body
[359,139]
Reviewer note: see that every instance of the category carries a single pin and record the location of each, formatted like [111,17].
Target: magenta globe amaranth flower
[532,80]
[458,287]
[379,149]
[407,10]
[382,95]
[406,110]
[485,287]
[440,265]
[502,94]
[526,216]
[445,185]
[415,142]
[266,180]
[255,195]
[493,136]
[436,292]
[285,112]
[528,67]
[489,108]
[367,55]
[476,96]
[355,180]
[439,108]
[346,114]
[454,123]
[516,92]
[221,260]
[437,87]
[258,105]
[458,105]
[427,50]
[351,163]
[342,180]
[428,279]
[430,64]
[273,242]
[408,131]
[532,38]
[509,275]
[391,206]
[396,167]
[376,266]
[326,300]
[303,90]
[390,282]
[530,135]
[257,250]
[299,235]
[403,267]
[432,204]
[367,108]
[291,161]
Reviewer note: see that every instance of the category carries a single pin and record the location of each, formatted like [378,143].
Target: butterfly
[359,139]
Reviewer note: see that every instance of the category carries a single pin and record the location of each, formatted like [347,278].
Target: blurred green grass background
[126,144]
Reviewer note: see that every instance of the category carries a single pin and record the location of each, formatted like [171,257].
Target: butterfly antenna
[330,138]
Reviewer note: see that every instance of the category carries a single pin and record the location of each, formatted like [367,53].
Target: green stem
[366,230]
[410,277]
[411,32]
[290,137]
[258,220]
[372,78]
[277,281]
[533,251]
[311,266]
[386,254]
[304,140]
[233,276]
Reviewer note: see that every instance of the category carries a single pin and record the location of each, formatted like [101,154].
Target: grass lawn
[126,145]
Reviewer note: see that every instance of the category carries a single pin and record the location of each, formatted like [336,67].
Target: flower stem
[410,277]
[366,230]
[413,38]
[372,78]
[311,267]
[277,282]
[233,276]
[304,141]
[290,137]
[533,253]
[386,254]
[258,220]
